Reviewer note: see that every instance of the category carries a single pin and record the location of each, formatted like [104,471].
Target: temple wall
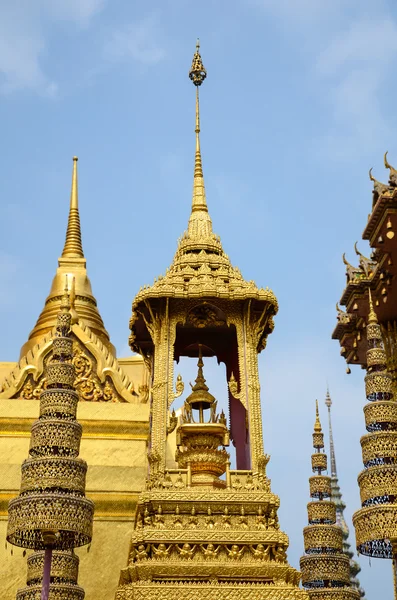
[114,446]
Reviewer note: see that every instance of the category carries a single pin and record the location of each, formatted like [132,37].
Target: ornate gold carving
[205,315]
[41,473]
[381,414]
[320,485]
[378,483]
[322,511]
[379,445]
[64,566]
[375,526]
[335,566]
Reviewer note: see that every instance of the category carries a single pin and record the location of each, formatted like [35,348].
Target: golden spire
[317,424]
[73,246]
[197,74]
[73,264]
[372,318]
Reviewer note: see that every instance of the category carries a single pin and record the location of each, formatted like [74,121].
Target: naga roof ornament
[379,188]
[392,172]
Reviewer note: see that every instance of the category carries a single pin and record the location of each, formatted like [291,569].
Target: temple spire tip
[317,424]
[372,318]
[197,74]
[73,247]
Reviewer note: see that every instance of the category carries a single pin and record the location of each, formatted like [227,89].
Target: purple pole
[45,590]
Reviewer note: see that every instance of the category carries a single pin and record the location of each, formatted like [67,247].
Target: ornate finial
[317,424]
[372,318]
[73,245]
[197,74]
[197,71]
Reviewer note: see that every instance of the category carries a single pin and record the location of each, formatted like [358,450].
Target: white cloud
[353,46]
[356,72]
[23,41]
[350,56]
[137,41]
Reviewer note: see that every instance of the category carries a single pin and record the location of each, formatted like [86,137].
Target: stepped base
[211,591]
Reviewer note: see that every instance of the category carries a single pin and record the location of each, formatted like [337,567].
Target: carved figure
[260,552]
[210,521]
[162,551]
[273,520]
[186,551]
[249,483]
[179,482]
[193,520]
[242,519]
[209,551]
[237,485]
[141,553]
[261,522]
[279,553]
[167,482]
[177,520]
[234,552]
[147,519]
[159,519]
[226,519]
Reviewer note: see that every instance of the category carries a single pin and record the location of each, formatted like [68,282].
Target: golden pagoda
[325,566]
[100,378]
[112,409]
[376,522]
[336,498]
[202,529]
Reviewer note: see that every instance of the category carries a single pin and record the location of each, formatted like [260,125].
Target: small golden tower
[376,522]
[51,511]
[202,530]
[325,567]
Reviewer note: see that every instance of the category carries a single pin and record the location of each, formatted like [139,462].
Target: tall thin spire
[197,74]
[328,403]
[336,498]
[73,245]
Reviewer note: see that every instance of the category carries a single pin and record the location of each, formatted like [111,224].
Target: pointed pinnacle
[317,424]
[73,245]
[197,74]
[372,318]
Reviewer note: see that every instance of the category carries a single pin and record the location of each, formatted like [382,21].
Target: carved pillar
[158,327]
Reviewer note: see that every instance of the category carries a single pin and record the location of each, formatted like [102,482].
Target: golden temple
[174,516]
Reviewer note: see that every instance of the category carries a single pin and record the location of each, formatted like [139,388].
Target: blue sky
[297,106]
